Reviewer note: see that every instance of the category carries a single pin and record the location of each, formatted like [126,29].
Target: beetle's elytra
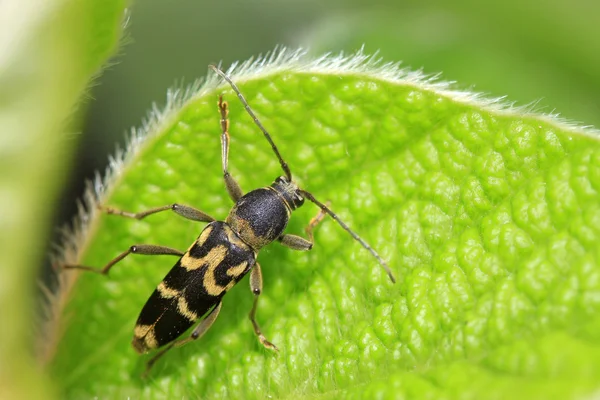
[223,254]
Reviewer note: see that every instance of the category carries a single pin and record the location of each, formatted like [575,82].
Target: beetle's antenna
[284,165]
[364,244]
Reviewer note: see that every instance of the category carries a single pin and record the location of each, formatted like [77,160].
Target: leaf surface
[488,217]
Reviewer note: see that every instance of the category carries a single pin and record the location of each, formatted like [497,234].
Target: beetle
[224,252]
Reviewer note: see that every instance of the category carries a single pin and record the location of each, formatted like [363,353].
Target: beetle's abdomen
[259,217]
[216,261]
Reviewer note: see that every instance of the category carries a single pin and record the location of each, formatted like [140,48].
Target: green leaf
[49,51]
[489,217]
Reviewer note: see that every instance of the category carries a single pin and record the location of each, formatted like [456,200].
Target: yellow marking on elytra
[236,271]
[144,338]
[191,263]
[183,309]
[167,292]
[209,282]
[214,257]
[203,236]
[141,330]
[150,339]
[232,237]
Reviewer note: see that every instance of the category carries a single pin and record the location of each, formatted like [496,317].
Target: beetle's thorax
[260,216]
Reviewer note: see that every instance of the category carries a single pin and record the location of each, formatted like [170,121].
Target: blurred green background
[545,53]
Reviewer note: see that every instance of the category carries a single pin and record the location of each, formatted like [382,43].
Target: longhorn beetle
[224,252]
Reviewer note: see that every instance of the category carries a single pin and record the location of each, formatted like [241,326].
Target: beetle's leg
[145,249]
[256,284]
[299,243]
[233,188]
[180,209]
[284,166]
[197,333]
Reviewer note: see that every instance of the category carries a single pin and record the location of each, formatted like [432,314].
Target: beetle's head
[289,191]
